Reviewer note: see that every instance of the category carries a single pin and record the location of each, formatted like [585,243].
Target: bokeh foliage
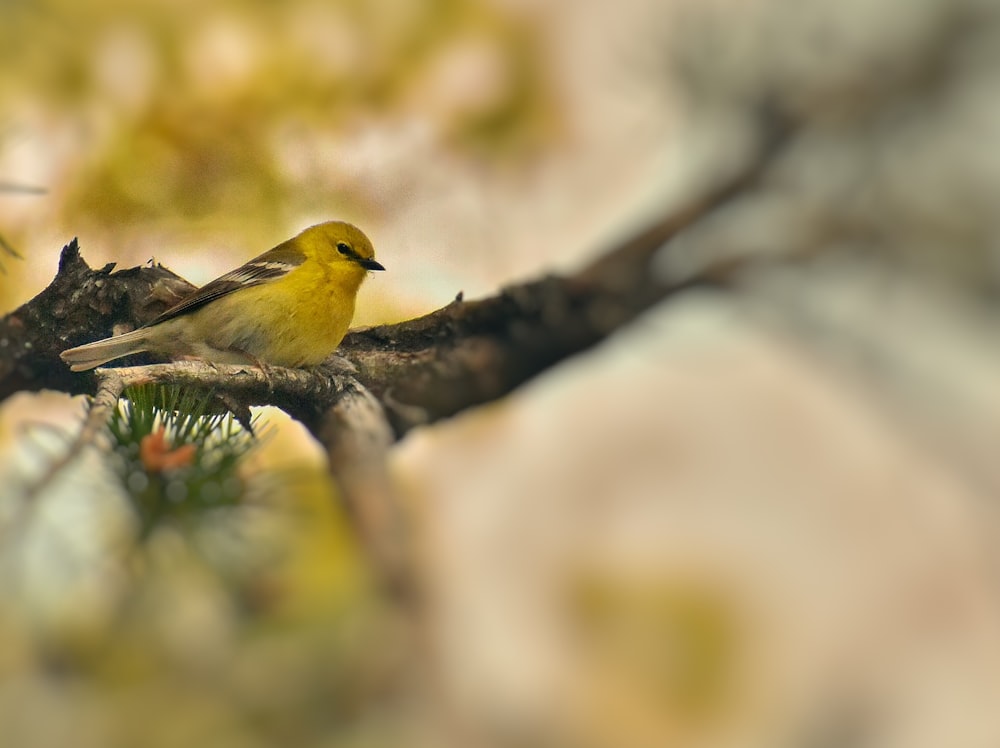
[234,594]
[192,112]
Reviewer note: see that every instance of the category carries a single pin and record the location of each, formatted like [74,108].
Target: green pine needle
[176,455]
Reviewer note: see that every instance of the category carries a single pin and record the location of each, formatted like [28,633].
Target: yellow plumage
[291,306]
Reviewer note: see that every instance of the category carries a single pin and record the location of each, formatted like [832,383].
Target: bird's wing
[267,268]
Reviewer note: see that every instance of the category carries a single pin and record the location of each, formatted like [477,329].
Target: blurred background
[764,516]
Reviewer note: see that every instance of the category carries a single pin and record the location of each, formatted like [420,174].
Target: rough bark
[80,305]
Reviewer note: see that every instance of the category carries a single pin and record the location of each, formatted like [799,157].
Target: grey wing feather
[273,264]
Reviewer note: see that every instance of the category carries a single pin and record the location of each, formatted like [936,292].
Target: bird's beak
[370,264]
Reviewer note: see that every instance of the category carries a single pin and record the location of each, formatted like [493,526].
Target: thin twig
[109,388]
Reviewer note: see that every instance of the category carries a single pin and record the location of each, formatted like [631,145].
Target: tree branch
[422,370]
[357,437]
[79,305]
[383,380]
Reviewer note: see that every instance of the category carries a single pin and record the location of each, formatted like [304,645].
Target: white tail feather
[94,354]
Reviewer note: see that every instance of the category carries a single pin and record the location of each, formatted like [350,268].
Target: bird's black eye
[344,249]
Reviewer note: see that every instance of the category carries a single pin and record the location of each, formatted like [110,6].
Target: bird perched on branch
[291,306]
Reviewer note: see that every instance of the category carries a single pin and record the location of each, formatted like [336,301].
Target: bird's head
[339,242]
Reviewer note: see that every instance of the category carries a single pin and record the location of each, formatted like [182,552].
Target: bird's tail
[94,354]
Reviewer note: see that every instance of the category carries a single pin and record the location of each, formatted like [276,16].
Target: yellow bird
[291,306]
